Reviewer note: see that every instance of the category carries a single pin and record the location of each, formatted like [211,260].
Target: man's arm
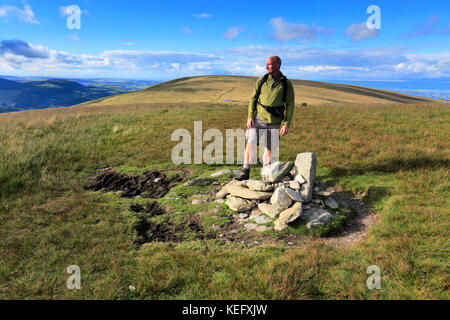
[252,103]
[290,104]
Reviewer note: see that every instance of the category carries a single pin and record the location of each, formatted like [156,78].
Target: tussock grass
[394,157]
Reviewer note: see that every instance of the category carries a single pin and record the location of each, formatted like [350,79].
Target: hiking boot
[244,175]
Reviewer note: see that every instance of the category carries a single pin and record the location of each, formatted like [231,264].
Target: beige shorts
[269,134]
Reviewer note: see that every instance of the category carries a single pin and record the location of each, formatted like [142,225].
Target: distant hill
[237,89]
[46,93]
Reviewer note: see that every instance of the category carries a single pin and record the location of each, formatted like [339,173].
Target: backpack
[279,111]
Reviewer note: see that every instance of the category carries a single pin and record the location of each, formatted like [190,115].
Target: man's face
[271,66]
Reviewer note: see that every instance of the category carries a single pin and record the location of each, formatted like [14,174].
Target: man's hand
[250,123]
[284,130]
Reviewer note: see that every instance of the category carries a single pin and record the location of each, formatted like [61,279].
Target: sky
[162,40]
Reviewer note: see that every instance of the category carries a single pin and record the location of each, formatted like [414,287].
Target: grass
[394,157]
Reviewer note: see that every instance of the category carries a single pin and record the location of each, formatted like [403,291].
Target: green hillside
[390,159]
[237,89]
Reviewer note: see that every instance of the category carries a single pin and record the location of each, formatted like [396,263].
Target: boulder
[247,193]
[305,163]
[238,204]
[258,185]
[316,216]
[331,203]
[280,199]
[288,216]
[276,171]
[269,209]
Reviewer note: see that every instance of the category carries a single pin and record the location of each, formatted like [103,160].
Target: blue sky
[145,39]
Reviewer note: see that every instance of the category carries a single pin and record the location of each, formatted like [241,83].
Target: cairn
[286,192]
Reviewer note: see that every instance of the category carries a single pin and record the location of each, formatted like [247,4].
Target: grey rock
[221,172]
[323,193]
[280,199]
[287,216]
[261,219]
[269,209]
[198,181]
[318,214]
[305,164]
[276,171]
[250,226]
[247,193]
[258,185]
[330,202]
[238,204]
[157,180]
[294,195]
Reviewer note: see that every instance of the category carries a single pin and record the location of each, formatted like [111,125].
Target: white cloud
[297,62]
[233,32]
[284,31]
[65,11]
[202,15]
[360,31]
[26,14]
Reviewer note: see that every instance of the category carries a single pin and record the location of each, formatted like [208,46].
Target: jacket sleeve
[252,103]
[290,104]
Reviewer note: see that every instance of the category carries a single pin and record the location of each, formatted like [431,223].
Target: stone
[247,193]
[261,219]
[198,181]
[305,164]
[255,212]
[238,204]
[250,226]
[300,179]
[214,227]
[323,193]
[196,201]
[221,172]
[276,171]
[157,180]
[243,215]
[317,201]
[262,228]
[258,185]
[294,195]
[269,210]
[224,191]
[321,220]
[280,199]
[318,214]
[330,202]
[219,201]
[294,185]
[288,216]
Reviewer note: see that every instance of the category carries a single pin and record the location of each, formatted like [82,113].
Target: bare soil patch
[153,184]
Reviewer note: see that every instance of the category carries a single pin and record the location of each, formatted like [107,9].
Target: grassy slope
[234,89]
[396,157]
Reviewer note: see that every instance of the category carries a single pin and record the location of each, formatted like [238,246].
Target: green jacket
[272,97]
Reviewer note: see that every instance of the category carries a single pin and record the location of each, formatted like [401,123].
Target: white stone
[280,199]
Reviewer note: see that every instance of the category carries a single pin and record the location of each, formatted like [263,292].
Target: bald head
[273,65]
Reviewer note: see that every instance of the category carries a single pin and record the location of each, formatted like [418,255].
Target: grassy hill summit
[94,186]
[237,89]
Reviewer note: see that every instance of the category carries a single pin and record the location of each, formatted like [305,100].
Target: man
[270,108]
